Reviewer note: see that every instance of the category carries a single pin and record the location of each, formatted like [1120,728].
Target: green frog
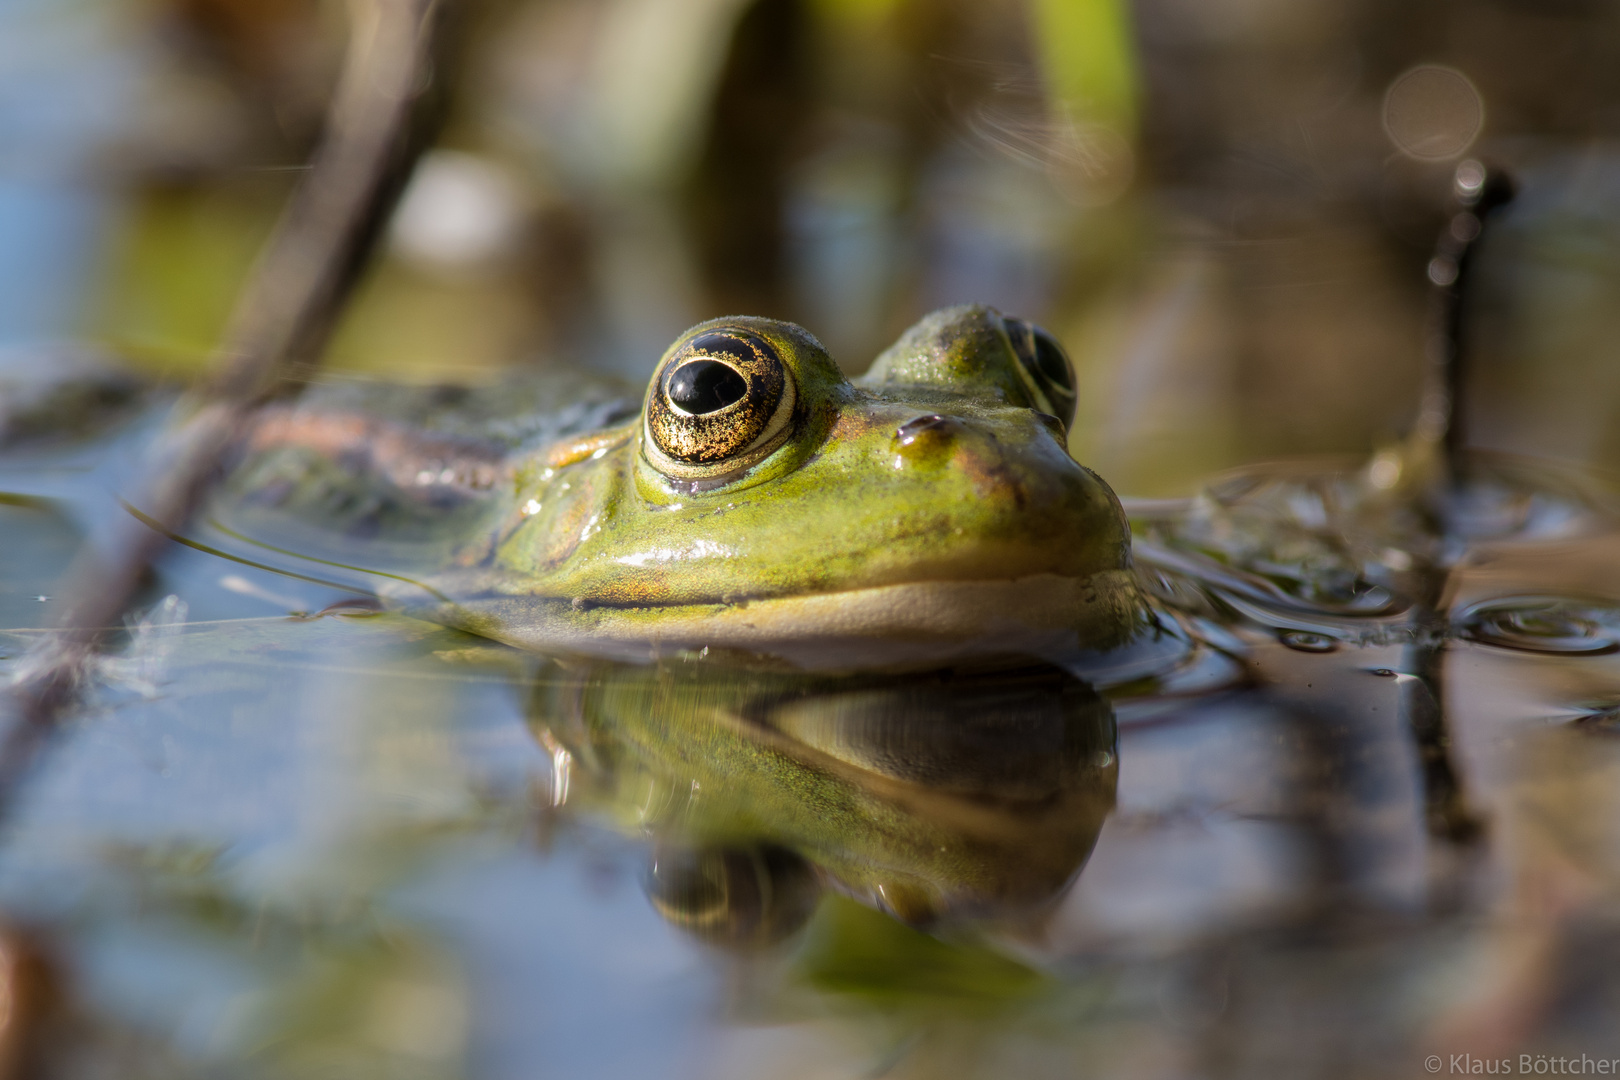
[757,501]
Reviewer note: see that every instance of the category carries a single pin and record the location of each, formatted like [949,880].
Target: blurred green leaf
[178,261]
[1089,60]
[852,949]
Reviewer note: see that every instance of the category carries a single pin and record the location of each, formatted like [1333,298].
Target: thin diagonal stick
[282,321]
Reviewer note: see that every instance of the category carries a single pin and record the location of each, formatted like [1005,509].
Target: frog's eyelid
[1054,392]
[1021,338]
[1047,354]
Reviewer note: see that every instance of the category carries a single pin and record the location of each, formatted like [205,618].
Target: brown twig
[1477,193]
[282,321]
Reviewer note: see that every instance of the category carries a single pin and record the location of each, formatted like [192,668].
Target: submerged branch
[282,321]
[1477,192]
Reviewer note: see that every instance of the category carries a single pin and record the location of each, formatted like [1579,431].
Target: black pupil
[706,386]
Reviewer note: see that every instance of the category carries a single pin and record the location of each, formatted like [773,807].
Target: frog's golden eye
[1046,365]
[722,401]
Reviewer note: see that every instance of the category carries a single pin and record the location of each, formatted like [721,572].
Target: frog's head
[761,496]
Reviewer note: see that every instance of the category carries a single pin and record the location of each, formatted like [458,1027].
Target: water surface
[288,835]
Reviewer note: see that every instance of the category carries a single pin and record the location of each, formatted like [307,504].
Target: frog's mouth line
[1038,612]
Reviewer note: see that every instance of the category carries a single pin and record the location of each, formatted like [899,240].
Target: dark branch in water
[376,126]
[1477,191]
[1446,812]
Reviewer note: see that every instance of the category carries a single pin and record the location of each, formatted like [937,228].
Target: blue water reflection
[67,82]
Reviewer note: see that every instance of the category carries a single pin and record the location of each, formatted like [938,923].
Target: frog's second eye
[720,401]
[1045,364]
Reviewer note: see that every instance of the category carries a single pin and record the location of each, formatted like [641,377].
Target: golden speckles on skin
[854,424]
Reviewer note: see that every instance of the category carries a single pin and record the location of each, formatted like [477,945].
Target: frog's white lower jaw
[884,624]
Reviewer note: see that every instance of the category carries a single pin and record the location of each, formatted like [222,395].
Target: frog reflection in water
[760,502]
[976,790]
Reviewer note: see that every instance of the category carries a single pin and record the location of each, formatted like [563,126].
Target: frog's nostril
[925,439]
[912,430]
[706,386]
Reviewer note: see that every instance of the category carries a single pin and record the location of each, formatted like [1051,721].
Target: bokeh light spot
[1433,113]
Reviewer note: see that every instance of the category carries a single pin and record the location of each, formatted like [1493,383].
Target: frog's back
[524,407]
[405,474]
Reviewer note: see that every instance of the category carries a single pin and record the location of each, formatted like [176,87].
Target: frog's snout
[1000,455]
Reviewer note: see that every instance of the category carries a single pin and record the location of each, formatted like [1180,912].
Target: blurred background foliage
[1223,207]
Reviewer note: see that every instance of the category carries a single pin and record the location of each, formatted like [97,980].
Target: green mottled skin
[607,546]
